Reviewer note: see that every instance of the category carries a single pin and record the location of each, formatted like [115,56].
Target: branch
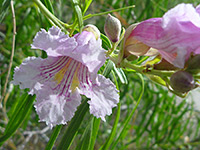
[12,53]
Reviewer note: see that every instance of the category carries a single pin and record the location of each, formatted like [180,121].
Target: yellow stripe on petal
[75,80]
[59,75]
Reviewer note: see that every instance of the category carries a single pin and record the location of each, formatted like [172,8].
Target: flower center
[69,72]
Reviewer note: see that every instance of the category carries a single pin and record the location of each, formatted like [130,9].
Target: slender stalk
[11,56]
[49,15]
[143,69]
[107,12]
[131,114]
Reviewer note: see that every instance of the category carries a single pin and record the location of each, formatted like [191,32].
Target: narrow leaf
[49,6]
[73,127]
[84,143]
[54,135]
[17,119]
[86,5]
[114,129]
[120,73]
[79,14]
[4,9]
[131,114]
[105,42]
[108,68]
[95,129]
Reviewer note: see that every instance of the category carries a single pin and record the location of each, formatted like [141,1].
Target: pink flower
[70,70]
[176,35]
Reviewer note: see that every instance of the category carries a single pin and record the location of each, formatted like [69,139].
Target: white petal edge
[105,96]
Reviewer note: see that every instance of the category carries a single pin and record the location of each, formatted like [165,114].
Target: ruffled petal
[89,51]
[198,9]
[34,72]
[56,109]
[54,42]
[82,47]
[51,80]
[182,13]
[25,77]
[102,92]
[103,98]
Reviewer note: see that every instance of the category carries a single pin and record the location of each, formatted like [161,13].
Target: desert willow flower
[70,70]
[176,35]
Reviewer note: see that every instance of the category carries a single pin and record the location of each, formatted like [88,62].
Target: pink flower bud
[93,29]
[112,28]
[182,81]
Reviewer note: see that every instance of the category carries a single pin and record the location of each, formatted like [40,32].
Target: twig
[31,133]
[12,52]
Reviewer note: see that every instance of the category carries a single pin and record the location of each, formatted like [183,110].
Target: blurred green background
[161,121]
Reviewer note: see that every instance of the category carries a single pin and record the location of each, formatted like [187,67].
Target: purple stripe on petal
[65,78]
[69,78]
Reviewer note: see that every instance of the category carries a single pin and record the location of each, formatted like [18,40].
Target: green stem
[142,60]
[114,128]
[73,28]
[107,12]
[114,45]
[131,114]
[49,15]
[143,69]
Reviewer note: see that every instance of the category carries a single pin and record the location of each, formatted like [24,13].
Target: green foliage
[17,118]
[4,8]
[79,14]
[72,130]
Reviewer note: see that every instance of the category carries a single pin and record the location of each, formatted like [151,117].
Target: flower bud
[182,81]
[93,29]
[194,64]
[112,28]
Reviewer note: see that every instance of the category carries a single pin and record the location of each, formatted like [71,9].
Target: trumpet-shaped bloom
[176,35]
[70,70]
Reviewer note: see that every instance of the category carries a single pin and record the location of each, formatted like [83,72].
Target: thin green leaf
[120,73]
[4,9]
[95,129]
[84,143]
[86,5]
[107,12]
[79,14]
[18,117]
[49,6]
[114,129]
[17,104]
[73,127]
[108,68]
[105,42]
[131,114]
[53,138]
